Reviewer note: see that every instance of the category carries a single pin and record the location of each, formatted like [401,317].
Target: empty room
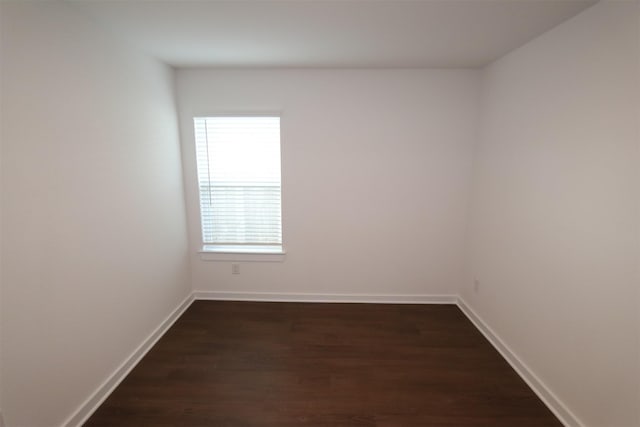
[382,213]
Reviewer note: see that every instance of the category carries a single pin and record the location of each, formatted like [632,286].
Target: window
[238,161]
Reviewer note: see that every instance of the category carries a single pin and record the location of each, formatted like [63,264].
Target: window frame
[238,252]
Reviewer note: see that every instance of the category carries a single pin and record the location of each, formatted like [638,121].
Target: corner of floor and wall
[553,231]
[513,192]
[94,243]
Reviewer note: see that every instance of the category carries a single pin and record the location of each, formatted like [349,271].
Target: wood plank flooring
[241,364]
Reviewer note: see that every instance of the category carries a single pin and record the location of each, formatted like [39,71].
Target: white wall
[1,315]
[554,218]
[375,176]
[376,169]
[93,225]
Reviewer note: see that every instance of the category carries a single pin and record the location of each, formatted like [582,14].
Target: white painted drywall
[1,315]
[93,225]
[554,218]
[375,172]
[340,34]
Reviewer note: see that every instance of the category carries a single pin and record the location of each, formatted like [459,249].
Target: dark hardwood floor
[298,364]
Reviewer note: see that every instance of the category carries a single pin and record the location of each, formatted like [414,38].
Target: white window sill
[242,253]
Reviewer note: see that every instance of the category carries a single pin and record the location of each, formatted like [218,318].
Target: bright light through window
[239,180]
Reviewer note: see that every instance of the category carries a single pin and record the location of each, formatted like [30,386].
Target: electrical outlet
[476,285]
[235,268]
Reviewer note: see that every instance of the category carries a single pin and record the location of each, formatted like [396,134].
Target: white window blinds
[239,180]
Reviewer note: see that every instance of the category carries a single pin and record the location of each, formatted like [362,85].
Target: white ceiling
[329,33]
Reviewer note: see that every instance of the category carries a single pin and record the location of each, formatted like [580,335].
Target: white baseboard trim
[560,410]
[326,298]
[88,407]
